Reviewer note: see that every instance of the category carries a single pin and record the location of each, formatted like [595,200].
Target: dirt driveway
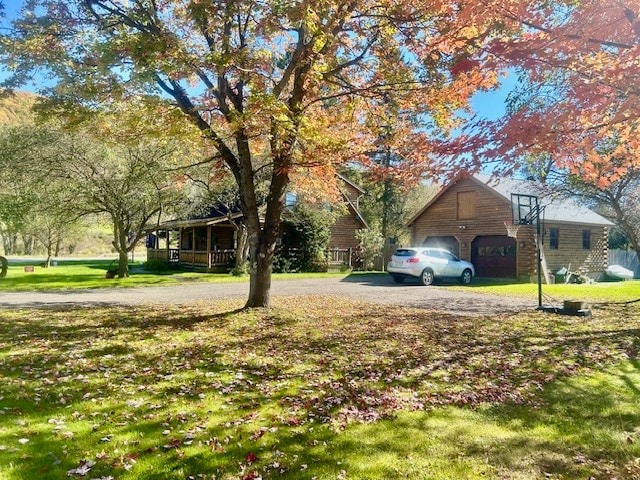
[370,288]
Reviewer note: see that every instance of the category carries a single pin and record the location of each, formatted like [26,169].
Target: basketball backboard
[524,208]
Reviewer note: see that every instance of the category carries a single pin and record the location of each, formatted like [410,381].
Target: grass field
[595,292]
[79,274]
[317,389]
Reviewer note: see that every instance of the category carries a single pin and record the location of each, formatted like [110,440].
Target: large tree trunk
[260,277]
[120,243]
[262,242]
[123,263]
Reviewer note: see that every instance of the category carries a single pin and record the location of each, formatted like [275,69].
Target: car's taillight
[413,260]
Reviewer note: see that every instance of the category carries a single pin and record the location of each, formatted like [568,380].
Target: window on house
[466,205]
[586,239]
[290,200]
[554,237]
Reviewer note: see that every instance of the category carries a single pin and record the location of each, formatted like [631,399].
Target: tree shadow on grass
[131,374]
[578,428]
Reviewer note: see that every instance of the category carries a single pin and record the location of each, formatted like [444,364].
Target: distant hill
[16,108]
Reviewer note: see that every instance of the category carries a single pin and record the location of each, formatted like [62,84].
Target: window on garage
[466,205]
[554,238]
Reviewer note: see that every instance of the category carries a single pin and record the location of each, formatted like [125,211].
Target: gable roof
[556,208]
[350,183]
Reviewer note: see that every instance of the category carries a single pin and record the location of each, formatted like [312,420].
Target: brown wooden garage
[494,256]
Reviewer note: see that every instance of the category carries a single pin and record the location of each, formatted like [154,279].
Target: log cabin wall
[584,247]
[224,237]
[343,230]
[465,210]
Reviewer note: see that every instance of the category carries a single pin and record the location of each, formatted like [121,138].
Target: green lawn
[317,389]
[91,274]
[595,292]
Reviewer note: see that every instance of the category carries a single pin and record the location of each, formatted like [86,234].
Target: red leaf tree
[579,99]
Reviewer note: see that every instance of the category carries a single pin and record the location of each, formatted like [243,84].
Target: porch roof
[198,222]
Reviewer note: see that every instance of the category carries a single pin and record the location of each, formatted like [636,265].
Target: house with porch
[209,243]
[473,217]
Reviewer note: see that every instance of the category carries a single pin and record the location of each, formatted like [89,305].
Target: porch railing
[347,257]
[217,258]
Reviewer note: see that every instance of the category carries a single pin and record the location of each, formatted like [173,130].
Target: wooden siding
[570,251]
[441,218]
[467,205]
[224,235]
[352,193]
[343,231]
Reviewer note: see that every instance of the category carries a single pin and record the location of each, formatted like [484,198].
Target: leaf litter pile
[211,392]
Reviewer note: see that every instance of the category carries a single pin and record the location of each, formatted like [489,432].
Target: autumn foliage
[579,98]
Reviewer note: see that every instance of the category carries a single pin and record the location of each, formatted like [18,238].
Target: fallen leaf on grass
[83,469]
[251,458]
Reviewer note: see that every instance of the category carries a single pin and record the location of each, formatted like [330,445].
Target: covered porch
[205,244]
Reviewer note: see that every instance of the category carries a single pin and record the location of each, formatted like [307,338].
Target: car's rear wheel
[398,278]
[427,277]
[466,277]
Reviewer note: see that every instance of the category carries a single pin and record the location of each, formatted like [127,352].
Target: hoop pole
[539,254]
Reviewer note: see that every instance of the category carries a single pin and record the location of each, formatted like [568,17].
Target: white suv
[428,264]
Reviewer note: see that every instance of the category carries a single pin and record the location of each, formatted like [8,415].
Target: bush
[371,243]
[309,228]
[282,263]
[157,266]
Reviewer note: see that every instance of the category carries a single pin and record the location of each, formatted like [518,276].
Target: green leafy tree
[71,174]
[131,184]
[309,227]
[371,244]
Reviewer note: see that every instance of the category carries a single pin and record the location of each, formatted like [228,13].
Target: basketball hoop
[512,229]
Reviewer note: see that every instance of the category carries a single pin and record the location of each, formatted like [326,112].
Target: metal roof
[557,208]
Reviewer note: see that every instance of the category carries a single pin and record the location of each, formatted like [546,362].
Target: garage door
[494,256]
[449,243]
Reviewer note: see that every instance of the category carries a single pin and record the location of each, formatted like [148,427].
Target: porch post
[166,233]
[193,247]
[208,247]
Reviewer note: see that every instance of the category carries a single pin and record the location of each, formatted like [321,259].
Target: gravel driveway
[370,288]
